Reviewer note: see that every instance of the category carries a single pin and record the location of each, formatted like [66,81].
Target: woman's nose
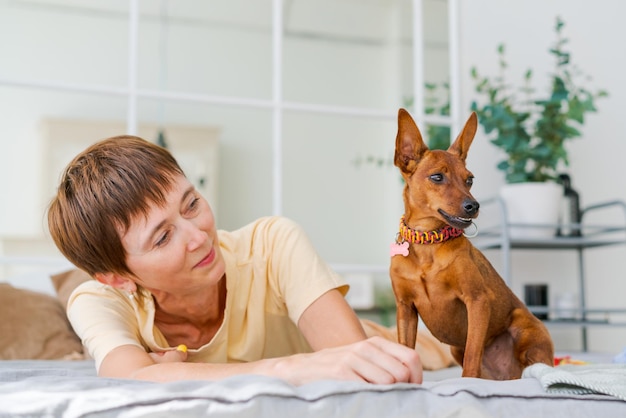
[194,235]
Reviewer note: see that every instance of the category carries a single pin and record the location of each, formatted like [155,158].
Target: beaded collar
[407,234]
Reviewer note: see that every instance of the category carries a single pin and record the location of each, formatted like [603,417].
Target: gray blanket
[609,379]
[71,389]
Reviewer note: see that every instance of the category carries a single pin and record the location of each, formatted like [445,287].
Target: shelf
[580,323]
[499,237]
[557,243]
[580,317]
[592,236]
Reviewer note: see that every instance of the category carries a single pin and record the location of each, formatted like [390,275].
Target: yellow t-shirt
[273,274]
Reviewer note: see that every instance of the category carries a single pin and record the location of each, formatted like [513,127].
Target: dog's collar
[407,234]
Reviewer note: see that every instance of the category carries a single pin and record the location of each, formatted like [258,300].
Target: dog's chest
[427,265]
[421,274]
[423,277]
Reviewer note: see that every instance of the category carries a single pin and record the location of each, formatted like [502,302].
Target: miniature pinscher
[438,274]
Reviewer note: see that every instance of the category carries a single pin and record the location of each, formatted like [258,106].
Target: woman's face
[175,248]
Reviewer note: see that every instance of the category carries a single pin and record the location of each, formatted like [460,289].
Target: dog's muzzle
[469,207]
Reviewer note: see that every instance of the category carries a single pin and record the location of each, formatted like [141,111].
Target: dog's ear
[409,143]
[464,140]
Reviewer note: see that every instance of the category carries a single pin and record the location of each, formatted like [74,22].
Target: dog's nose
[470,206]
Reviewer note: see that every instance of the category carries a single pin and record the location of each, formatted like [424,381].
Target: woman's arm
[330,322]
[130,361]
[375,360]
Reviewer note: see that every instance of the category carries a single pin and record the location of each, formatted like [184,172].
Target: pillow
[34,326]
[65,283]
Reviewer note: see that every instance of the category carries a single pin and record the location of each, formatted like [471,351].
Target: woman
[174,298]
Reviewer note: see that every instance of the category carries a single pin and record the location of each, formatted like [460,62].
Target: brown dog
[437,273]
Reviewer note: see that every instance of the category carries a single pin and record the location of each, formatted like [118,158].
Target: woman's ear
[116,281]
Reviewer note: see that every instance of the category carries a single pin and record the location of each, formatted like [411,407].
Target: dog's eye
[436,178]
[469,181]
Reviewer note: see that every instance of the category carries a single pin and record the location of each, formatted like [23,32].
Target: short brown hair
[101,191]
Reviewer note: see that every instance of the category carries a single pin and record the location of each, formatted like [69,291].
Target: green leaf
[528,75]
[576,110]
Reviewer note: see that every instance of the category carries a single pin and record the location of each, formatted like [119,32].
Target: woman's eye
[436,178]
[163,240]
[193,205]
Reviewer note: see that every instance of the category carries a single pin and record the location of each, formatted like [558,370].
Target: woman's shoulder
[267,236]
[268,222]
[90,289]
[91,286]
[264,227]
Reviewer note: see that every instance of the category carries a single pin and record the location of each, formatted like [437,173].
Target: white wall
[595,30]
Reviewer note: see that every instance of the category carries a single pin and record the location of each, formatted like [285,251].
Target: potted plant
[533,130]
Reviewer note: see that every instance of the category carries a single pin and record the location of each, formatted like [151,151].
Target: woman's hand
[171,356]
[375,360]
[342,351]
[127,360]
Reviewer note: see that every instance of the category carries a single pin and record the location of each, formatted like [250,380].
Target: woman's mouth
[206,260]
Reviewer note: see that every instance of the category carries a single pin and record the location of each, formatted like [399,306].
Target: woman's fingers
[388,362]
[374,360]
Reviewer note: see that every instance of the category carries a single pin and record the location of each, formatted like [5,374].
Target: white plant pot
[534,205]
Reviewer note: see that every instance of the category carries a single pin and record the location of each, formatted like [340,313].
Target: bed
[43,373]
[47,388]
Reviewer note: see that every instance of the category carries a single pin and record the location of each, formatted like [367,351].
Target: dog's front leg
[478,317]
[407,323]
